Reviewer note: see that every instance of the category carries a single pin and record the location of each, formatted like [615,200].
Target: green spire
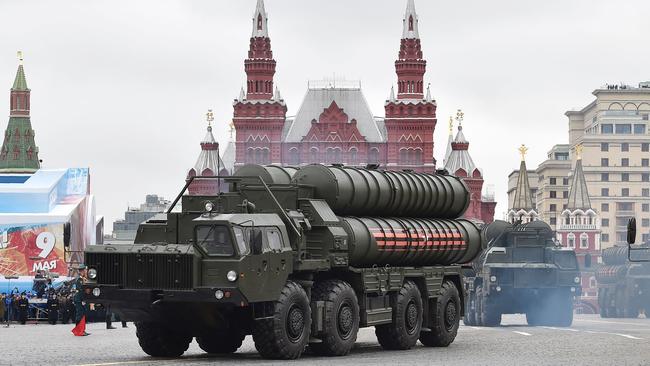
[20,83]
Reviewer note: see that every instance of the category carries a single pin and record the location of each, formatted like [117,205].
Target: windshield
[240,238]
[215,240]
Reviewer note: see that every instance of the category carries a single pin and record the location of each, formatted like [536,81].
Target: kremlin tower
[522,208]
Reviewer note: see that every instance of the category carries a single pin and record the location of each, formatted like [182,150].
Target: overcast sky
[122,87]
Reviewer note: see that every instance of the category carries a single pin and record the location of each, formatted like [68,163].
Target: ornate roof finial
[209,117]
[523,150]
[428,97]
[460,115]
[232,128]
[579,148]
[20,57]
[410,21]
[392,94]
[451,125]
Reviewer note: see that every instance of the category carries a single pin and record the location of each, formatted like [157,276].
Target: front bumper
[118,297]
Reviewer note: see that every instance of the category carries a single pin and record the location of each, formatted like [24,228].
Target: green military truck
[623,284]
[522,271]
[297,258]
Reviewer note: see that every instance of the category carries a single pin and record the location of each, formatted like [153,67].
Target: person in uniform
[2,306]
[23,308]
[63,309]
[53,309]
[79,305]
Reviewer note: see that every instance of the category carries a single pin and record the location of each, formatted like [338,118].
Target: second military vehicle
[296,258]
[522,270]
[623,285]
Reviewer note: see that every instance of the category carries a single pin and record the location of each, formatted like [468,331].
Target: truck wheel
[341,322]
[404,330]
[159,341]
[602,303]
[286,334]
[534,315]
[446,318]
[490,316]
[624,305]
[563,315]
[221,343]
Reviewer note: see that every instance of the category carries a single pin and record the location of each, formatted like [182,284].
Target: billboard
[24,250]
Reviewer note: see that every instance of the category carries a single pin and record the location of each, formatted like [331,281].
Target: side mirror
[66,234]
[256,241]
[631,231]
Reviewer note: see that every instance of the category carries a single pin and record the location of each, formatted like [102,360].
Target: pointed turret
[450,139]
[277,97]
[260,21]
[242,95]
[410,21]
[428,98]
[208,164]
[578,193]
[19,153]
[522,206]
[410,66]
[391,97]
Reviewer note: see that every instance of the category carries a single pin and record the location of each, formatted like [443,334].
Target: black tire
[341,323]
[563,315]
[285,336]
[534,314]
[221,343]
[446,318]
[624,306]
[159,341]
[602,303]
[490,317]
[403,332]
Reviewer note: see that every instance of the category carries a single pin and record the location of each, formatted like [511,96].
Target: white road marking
[616,334]
[119,363]
[522,333]
[613,322]
[567,329]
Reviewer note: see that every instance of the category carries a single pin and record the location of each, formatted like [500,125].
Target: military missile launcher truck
[296,258]
[522,271]
[623,285]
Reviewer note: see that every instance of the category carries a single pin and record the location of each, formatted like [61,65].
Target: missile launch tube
[359,192]
[270,174]
[410,242]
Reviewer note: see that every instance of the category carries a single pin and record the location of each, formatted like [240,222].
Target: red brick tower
[411,117]
[259,114]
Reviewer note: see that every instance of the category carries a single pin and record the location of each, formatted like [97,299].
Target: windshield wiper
[207,236]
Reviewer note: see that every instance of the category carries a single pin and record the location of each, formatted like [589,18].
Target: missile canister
[615,255]
[359,192]
[608,274]
[411,242]
[270,174]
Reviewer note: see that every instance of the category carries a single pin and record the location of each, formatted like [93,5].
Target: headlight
[493,278]
[97,292]
[576,280]
[218,294]
[232,276]
[92,273]
[498,288]
[209,206]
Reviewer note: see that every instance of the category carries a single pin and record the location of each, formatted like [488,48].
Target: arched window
[373,156]
[313,155]
[294,156]
[411,23]
[584,241]
[403,156]
[258,156]
[265,156]
[337,156]
[571,240]
[352,156]
[259,22]
[417,158]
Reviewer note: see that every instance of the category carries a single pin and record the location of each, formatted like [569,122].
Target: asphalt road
[590,341]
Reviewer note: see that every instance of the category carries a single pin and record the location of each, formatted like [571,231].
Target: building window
[313,155]
[645,222]
[565,194]
[605,207]
[604,177]
[604,222]
[625,206]
[604,146]
[565,181]
[553,194]
[623,129]
[571,240]
[294,156]
[645,192]
[553,181]
[645,177]
[625,177]
[352,159]
[604,192]
[645,207]
[645,238]
[553,221]
[639,129]
[607,129]
[625,192]
[584,241]
[553,207]
[645,162]
[645,147]
[564,206]
[625,162]
[373,156]
[604,162]
[625,146]
[604,238]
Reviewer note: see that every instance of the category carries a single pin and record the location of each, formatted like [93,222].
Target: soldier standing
[63,308]
[23,308]
[53,309]
[2,306]
[79,306]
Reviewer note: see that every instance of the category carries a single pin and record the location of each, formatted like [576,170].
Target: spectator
[23,308]
[52,309]
[65,309]
[2,306]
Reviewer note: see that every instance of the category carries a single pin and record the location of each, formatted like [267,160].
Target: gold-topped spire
[232,128]
[451,125]
[19,54]
[523,150]
[209,117]
[579,148]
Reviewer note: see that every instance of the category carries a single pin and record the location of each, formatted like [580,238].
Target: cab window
[215,240]
[240,239]
[274,239]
